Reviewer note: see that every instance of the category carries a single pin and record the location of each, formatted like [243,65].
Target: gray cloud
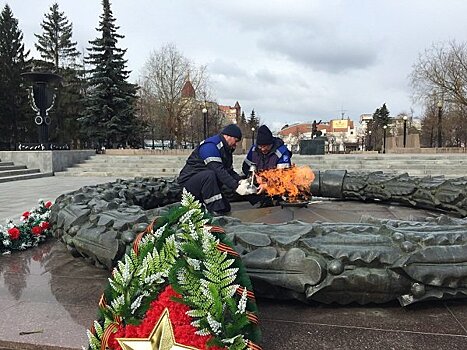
[227,68]
[267,77]
[289,60]
[321,51]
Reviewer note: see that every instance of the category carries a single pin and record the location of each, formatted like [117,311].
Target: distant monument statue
[314,129]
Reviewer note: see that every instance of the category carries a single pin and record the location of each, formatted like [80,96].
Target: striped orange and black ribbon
[140,235]
[102,302]
[249,294]
[111,328]
[216,229]
[252,317]
[92,329]
[253,346]
[228,249]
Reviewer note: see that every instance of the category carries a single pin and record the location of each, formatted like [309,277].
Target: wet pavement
[18,196]
[48,299]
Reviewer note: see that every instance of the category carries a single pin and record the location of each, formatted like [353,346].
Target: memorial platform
[48,298]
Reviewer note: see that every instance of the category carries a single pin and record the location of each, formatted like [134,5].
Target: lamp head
[385,126]
[205,110]
[440,104]
[404,117]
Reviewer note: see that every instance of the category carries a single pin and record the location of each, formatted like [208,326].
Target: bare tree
[441,70]
[429,126]
[151,115]
[164,76]
[454,133]
[440,75]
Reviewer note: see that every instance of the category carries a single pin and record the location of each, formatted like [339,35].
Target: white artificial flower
[242,302]
[215,325]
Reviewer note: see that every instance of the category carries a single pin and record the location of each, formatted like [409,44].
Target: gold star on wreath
[161,338]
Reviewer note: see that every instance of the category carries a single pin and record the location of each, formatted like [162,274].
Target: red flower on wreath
[44,225]
[36,230]
[26,214]
[184,332]
[48,204]
[14,233]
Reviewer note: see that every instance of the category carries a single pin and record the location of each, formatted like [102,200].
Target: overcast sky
[290,60]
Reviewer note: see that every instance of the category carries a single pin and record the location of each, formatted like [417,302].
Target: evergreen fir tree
[243,119]
[54,44]
[253,122]
[109,118]
[59,53]
[16,117]
[380,118]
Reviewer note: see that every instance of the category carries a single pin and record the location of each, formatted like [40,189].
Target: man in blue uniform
[210,166]
[269,152]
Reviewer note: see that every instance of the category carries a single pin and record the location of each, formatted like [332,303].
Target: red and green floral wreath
[181,287]
[33,228]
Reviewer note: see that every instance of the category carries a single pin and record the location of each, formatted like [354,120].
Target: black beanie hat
[232,130]
[264,136]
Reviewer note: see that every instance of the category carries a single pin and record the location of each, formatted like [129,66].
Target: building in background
[292,134]
[365,118]
[340,134]
[231,114]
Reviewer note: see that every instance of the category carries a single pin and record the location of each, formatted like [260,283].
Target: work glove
[244,188]
[262,188]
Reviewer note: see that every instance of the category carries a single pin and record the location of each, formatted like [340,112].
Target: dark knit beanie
[232,130]
[264,136]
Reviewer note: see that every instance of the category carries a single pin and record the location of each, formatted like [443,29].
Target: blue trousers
[205,186]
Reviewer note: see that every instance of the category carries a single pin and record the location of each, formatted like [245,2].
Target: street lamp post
[384,138]
[369,140]
[440,112]
[405,130]
[252,135]
[205,122]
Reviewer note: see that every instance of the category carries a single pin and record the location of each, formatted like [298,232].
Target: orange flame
[290,182]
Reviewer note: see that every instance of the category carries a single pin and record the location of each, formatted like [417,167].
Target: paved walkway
[19,196]
[48,298]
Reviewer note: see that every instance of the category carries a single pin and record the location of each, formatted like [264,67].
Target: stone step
[169,166]
[24,177]
[377,162]
[11,167]
[23,171]
[115,174]
[457,167]
[177,167]
[6,164]
[102,158]
[122,169]
[140,164]
[11,172]
[135,173]
[165,160]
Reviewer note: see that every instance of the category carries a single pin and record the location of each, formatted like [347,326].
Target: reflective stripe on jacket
[213,153]
[278,157]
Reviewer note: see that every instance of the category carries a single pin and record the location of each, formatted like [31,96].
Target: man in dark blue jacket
[210,166]
[269,152]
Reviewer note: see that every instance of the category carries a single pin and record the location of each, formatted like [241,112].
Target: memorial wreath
[182,286]
[33,228]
